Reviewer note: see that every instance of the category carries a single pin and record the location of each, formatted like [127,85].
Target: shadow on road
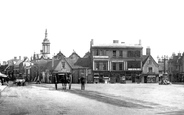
[107,99]
[181,112]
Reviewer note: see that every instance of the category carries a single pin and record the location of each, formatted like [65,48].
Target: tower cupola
[45,45]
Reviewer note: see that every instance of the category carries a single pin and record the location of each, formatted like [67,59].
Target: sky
[71,24]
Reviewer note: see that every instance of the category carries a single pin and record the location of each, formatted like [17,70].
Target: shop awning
[3,75]
[151,75]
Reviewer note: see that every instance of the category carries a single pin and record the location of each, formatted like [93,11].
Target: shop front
[150,78]
[133,76]
[101,77]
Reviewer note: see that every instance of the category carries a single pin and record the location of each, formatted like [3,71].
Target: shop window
[97,66]
[104,66]
[120,66]
[134,64]
[114,66]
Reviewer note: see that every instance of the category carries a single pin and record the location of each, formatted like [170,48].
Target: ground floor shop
[149,78]
[116,76]
[176,77]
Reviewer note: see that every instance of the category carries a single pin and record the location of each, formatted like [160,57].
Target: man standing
[70,81]
[82,83]
[55,81]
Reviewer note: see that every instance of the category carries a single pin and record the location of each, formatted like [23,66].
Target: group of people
[4,80]
[67,79]
[64,79]
[164,81]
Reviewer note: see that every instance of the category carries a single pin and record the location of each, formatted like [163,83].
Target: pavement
[2,87]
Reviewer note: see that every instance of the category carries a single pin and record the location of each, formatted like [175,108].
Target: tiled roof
[74,53]
[60,55]
[86,55]
[144,58]
[71,62]
[84,62]
[49,64]
[18,63]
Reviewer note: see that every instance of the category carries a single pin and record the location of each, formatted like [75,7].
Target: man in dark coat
[82,83]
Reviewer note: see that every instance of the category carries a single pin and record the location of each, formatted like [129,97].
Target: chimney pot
[148,51]
[115,41]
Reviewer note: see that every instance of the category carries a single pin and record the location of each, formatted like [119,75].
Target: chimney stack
[140,42]
[115,41]
[179,54]
[15,58]
[91,42]
[19,57]
[148,51]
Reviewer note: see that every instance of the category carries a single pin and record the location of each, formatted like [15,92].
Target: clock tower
[45,46]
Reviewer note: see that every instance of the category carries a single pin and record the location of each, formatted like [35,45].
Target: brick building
[116,61]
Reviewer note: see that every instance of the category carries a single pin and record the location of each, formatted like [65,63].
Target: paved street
[126,99]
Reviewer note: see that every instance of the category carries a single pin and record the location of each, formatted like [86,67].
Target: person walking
[70,81]
[82,83]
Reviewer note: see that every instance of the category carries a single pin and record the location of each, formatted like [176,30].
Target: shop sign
[134,69]
[123,78]
[151,75]
[100,56]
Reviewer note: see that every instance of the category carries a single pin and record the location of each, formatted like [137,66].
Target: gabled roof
[74,53]
[49,64]
[144,59]
[18,62]
[3,67]
[60,55]
[71,62]
[87,55]
[84,62]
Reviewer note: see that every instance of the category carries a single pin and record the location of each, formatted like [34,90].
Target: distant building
[45,46]
[116,61]
[176,68]
[40,60]
[150,68]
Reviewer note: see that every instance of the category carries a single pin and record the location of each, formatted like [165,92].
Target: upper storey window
[120,53]
[99,52]
[103,52]
[134,54]
[96,52]
[114,53]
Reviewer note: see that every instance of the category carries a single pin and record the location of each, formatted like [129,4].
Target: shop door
[145,79]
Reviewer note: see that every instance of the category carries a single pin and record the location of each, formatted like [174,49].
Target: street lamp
[163,60]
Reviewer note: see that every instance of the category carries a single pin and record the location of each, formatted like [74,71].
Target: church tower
[45,46]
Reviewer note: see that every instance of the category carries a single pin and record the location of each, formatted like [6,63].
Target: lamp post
[163,60]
